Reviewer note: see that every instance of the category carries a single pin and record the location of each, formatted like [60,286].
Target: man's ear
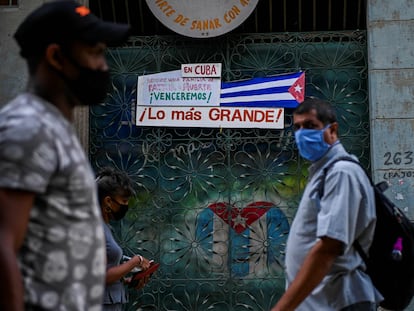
[54,56]
[107,199]
[332,133]
[334,128]
[106,203]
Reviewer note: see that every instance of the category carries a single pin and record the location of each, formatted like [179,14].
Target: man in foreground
[323,269]
[53,252]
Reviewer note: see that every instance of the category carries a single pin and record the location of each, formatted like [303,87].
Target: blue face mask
[311,144]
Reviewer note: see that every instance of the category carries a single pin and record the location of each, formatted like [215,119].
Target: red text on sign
[242,115]
[201,70]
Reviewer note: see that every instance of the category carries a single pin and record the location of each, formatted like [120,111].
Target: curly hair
[112,182]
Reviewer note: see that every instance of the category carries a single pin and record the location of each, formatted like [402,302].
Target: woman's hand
[141,262]
[139,282]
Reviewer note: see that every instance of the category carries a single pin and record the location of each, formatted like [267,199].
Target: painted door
[214,206]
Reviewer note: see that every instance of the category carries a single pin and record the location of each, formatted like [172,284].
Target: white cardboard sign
[171,89]
[216,117]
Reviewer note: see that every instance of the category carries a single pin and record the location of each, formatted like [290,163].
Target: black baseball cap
[63,21]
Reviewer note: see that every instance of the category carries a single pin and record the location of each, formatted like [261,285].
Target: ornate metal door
[213,206]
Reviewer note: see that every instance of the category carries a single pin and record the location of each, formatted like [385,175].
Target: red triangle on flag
[240,218]
[297,90]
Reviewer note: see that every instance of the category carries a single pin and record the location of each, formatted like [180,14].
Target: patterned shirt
[62,258]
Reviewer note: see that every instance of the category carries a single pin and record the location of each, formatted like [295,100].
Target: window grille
[8,3]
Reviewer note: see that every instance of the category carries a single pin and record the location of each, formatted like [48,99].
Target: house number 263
[398,158]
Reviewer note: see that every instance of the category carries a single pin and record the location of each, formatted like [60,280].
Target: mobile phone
[143,273]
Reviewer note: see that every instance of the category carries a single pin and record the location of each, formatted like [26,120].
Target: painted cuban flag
[245,242]
[287,90]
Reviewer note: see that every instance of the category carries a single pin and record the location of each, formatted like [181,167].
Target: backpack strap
[356,244]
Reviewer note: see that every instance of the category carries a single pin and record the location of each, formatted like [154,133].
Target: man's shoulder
[343,161]
[346,163]
[347,168]
[28,110]
[23,106]
[19,118]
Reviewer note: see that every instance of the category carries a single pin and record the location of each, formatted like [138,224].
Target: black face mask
[91,86]
[123,209]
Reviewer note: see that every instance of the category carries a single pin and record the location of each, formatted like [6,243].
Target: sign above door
[202,18]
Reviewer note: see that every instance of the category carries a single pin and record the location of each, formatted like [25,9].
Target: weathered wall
[391,89]
[13,70]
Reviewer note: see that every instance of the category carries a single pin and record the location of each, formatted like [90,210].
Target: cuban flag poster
[195,96]
[243,241]
[285,91]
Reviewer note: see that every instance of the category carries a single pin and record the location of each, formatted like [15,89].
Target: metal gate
[213,206]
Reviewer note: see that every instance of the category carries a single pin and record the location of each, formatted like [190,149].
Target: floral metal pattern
[213,206]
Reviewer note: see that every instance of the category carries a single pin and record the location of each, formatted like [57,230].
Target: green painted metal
[182,175]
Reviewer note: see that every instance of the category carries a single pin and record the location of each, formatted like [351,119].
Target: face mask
[91,86]
[311,144]
[118,215]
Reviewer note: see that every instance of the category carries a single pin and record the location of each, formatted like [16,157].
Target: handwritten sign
[202,18]
[171,89]
[216,117]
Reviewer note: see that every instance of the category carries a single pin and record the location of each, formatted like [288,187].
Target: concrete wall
[391,89]
[13,70]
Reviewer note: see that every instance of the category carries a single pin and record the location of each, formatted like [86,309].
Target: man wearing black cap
[52,254]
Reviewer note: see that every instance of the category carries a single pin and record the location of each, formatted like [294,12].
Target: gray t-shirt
[62,259]
[345,212]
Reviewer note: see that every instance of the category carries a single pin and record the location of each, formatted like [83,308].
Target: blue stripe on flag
[263,104]
[295,76]
[239,253]
[270,90]
[204,229]
[278,229]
